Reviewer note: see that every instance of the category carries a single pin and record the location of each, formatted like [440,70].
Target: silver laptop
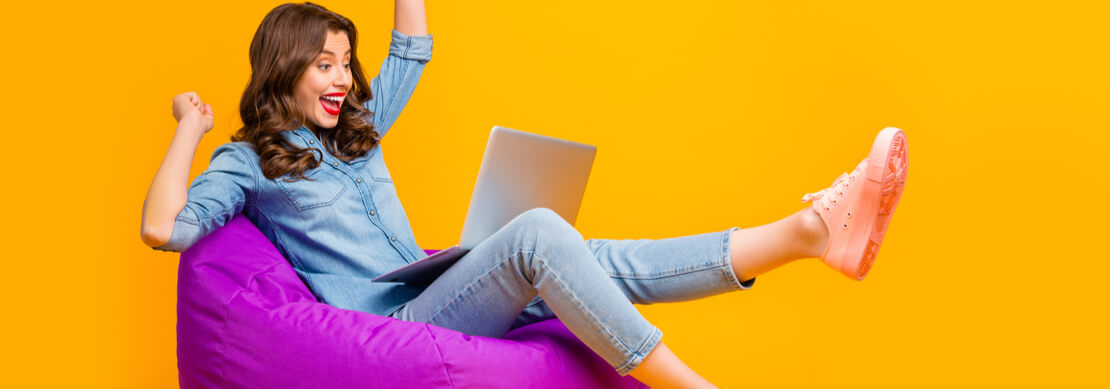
[519,171]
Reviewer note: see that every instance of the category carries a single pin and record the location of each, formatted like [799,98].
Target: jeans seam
[726,263]
[641,352]
[718,263]
[474,282]
[678,272]
[624,348]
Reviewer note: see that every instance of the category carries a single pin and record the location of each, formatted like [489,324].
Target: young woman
[307,169]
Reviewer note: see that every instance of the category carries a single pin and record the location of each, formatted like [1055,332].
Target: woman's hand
[189,111]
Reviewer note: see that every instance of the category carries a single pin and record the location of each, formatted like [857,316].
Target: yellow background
[706,115]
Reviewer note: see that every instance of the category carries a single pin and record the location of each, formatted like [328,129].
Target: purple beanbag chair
[244,319]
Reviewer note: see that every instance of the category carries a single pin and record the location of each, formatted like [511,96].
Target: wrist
[191,129]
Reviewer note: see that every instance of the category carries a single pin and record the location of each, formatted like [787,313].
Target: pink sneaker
[858,206]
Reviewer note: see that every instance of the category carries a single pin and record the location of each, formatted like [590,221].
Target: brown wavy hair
[290,37]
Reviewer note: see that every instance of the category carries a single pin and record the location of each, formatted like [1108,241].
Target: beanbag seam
[223,335]
[227,311]
[443,361]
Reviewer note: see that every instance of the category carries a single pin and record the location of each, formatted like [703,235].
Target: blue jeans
[538,267]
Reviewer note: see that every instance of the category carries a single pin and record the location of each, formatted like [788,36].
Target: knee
[542,217]
[543,223]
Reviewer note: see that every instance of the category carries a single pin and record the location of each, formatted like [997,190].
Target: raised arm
[409,50]
[167,194]
[408,17]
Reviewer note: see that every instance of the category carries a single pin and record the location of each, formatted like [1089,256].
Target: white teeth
[333,98]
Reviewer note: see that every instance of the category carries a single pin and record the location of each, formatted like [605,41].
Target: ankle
[813,232]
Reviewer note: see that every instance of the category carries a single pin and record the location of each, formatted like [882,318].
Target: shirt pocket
[323,189]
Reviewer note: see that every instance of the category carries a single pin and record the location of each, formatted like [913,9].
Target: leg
[846,223]
[537,253]
[691,267]
[664,270]
[660,369]
[757,250]
[858,208]
[685,268]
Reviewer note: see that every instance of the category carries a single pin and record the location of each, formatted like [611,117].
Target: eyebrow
[333,54]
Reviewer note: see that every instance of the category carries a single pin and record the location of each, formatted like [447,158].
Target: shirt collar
[300,137]
[303,136]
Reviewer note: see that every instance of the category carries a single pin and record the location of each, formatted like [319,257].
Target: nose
[343,80]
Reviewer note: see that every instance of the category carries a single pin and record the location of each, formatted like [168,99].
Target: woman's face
[325,83]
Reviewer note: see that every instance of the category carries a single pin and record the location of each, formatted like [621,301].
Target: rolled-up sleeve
[397,79]
[214,197]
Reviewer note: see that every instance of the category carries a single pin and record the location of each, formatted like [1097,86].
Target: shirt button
[372,213]
[310,141]
[393,238]
[358,180]
[336,164]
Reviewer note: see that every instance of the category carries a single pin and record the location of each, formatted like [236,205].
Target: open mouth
[331,104]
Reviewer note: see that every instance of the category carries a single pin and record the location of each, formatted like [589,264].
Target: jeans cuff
[641,352]
[726,262]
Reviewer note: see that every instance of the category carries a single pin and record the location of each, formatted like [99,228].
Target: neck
[311,128]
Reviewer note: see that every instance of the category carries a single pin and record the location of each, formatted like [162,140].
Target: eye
[323,66]
[347,66]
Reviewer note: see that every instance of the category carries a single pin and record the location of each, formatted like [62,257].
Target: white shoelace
[839,187]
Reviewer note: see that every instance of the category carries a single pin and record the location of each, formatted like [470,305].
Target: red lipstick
[331,106]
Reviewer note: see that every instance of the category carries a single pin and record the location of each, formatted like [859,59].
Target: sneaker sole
[887,166]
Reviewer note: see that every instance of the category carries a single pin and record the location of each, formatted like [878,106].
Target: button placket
[397,244]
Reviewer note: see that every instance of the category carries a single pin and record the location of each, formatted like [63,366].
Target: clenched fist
[187,108]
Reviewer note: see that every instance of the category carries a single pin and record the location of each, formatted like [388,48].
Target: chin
[328,124]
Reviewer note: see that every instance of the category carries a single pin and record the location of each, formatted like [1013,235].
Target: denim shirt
[339,230]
